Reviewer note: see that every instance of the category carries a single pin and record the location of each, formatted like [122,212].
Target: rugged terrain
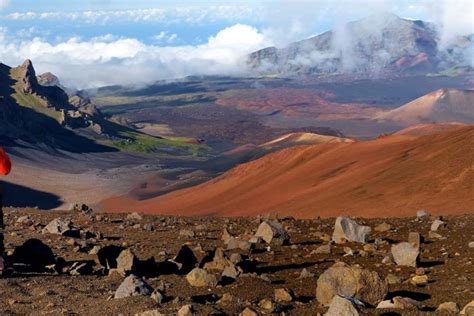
[446,259]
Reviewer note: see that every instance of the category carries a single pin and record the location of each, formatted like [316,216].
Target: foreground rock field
[79,262]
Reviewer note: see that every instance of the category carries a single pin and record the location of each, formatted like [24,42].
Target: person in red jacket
[5,168]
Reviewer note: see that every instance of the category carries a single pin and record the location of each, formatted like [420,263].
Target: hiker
[5,167]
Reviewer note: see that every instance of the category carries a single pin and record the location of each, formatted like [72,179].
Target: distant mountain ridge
[384,44]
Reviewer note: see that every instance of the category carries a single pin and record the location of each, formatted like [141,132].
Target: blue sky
[128,41]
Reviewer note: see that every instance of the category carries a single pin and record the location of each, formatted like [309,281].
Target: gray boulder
[340,306]
[199,277]
[346,229]
[405,254]
[272,232]
[350,281]
[133,286]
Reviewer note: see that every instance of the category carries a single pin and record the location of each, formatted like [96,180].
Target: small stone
[422,213]
[186,310]
[436,225]
[226,298]
[234,243]
[414,238]
[405,254]
[248,312]
[266,304]
[471,244]
[385,304]
[324,249]
[59,227]
[468,309]
[387,260]
[393,279]
[434,235]
[199,277]
[340,306]
[152,312]
[272,232]
[226,236]
[405,303]
[134,216]
[126,262]
[346,229]
[186,233]
[157,296]
[449,307]
[133,286]
[230,272]
[419,280]
[305,274]
[283,295]
[383,227]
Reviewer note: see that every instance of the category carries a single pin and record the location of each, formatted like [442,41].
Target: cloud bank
[115,59]
[109,60]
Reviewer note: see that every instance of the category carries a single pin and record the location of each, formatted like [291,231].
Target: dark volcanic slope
[391,176]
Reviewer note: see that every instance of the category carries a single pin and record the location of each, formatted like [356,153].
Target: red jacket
[5,162]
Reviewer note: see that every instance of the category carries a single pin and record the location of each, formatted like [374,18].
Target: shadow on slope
[15,195]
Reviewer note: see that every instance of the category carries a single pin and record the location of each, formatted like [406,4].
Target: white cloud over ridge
[108,60]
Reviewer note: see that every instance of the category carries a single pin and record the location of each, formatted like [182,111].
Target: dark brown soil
[448,262]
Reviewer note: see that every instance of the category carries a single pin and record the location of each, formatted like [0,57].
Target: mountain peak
[27,76]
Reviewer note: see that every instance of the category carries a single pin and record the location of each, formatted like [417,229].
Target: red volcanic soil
[296,102]
[427,129]
[390,176]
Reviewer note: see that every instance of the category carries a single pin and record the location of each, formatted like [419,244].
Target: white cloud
[108,60]
[165,37]
[4,3]
[187,14]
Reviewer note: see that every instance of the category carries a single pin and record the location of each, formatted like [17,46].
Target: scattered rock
[414,238]
[152,312]
[422,213]
[230,272]
[352,281]
[157,296]
[405,254]
[305,274]
[324,249]
[59,227]
[383,227]
[434,235]
[135,216]
[25,220]
[133,286]
[187,233]
[436,225]
[340,306]
[419,280]
[272,232]
[226,236]
[346,229]
[471,244]
[283,295]
[219,261]
[35,254]
[186,310]
[199,277]
[108,255]
[405,303]
[185,259]
[448,307]
[248,312]
[393,279]
[234,243]
[82,268]
[83,208]
[468,309]
[126,262]
[266,304]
